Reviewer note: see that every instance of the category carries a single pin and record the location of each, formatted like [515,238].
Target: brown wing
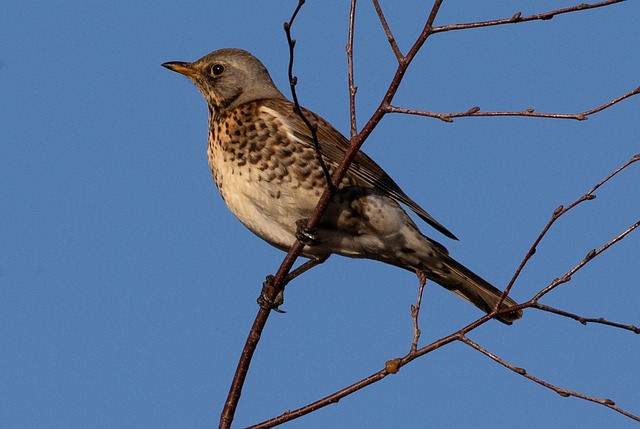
[334,145]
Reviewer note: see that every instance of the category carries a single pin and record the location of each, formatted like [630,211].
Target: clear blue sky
[127,288]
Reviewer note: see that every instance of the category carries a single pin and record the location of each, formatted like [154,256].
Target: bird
[266,166]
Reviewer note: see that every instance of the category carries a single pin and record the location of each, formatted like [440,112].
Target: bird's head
[228,78]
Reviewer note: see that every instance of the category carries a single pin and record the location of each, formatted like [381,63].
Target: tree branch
[293,81]
[352,88]
[585,320]
[517,17]
[415,311]
[531,113]
[560,211]
[394,365]
[387,31]
[559,390]
[276,284]
[588,258]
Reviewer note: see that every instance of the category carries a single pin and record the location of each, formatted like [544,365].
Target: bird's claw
[306,235]
[267,303]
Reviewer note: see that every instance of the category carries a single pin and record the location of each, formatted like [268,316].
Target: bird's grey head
[228,78]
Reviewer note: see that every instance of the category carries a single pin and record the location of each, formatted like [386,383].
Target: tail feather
[470,286]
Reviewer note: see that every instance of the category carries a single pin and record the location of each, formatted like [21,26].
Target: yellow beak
[186,69]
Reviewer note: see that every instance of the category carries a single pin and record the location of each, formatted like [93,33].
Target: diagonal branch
[352,88]
[387,31]
[560,211]
[530,113]
[415,311]
[517,17]
[588,258]
[293,81]
[559,390]
[394,365]
[585,320]
[276,284]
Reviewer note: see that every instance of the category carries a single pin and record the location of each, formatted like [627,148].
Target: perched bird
[263,160]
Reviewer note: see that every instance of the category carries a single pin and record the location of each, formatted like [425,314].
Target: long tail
[470,286]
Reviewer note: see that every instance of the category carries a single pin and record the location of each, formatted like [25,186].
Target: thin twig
[305,267]
[273,287]
[394,365]
[557,213]
[530,113]
[415,311]
[293,81]
[517,17]
[353,131]
[275,284]
[559,390]
[387,31]
[589,257]
[585,320]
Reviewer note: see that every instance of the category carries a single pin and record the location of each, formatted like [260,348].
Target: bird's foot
[267,303]
[306,235]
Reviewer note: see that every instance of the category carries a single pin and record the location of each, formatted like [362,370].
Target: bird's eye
[217,69]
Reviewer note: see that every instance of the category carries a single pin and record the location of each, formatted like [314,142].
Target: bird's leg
[267,303]
[263,299]
[306,235]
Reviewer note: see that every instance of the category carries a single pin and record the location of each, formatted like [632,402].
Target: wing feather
[333,146]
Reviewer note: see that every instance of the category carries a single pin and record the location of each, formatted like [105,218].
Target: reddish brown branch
[561,210]
[391,367]
[588,258]
[559,390]
[352,88]
[394,365]
[293,81]
[585,320]
[275,284]
[530,113]
[517,17]
[415,311]
[273,287]
[387,31]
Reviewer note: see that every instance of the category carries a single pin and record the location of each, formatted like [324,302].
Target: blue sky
[127,288]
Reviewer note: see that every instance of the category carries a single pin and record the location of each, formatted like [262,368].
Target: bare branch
[331,399]
[275,284]
[561,210]
[559,390]
[589,257]
[531,113]
[415,311]
[394,365]
[293,80]
[586,320]
[517,17]
[352,88]
[387,31]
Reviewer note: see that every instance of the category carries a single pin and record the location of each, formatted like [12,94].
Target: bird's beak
[186,69]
